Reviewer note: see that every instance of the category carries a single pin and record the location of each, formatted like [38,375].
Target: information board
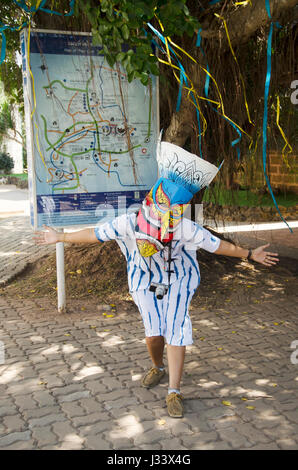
[91,135]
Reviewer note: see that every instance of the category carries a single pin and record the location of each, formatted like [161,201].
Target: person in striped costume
[160,244]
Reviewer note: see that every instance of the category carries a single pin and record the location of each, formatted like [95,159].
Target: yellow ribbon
[192,88]
[235,58]
[34,99]
[220,104]
[256,146]
[285,156]
[246,2]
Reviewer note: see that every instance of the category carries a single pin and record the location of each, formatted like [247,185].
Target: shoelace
[174,396]
[153,370]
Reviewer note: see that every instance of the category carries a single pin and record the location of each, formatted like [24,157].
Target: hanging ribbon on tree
[235,142]
[31,11]
[265,115]
[183,84]
[284,155]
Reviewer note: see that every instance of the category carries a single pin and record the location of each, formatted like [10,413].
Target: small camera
[159,289]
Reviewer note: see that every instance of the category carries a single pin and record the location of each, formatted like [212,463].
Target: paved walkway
[282,240]
[72,382]
[17,248]
[13,201]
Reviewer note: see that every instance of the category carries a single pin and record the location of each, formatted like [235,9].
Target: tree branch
[245,21]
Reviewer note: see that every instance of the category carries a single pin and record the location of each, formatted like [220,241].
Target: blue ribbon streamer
[72,5]
[22,4]
[3,47]
[52,12]
[183,78]
[182,71]
[206,90]
[267,3]
[265,115]
[199,38]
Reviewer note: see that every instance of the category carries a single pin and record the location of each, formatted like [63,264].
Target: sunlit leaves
[118,24]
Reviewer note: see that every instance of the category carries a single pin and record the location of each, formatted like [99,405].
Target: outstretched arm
[52,236]
[258,254]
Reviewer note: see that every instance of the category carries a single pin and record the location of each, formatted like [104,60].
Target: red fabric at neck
[149,229]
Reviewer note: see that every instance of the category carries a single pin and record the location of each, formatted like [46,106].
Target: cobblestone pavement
[17,248]
[283,241]
[72,381]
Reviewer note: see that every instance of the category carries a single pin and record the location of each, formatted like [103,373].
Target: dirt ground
[96,275]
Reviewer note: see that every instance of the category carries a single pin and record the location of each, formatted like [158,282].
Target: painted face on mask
[160,215]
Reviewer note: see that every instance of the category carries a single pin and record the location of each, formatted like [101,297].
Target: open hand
[264,257]
[46,238]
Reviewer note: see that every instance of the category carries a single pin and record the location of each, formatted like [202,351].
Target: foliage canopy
[121,27]
[115,24]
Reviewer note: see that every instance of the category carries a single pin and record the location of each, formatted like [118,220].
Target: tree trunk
[244,21]
[181,125]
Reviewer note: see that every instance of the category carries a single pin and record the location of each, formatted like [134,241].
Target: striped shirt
[141,271]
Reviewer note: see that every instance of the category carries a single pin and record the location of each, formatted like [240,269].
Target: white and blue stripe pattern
[143,271]
[169,316]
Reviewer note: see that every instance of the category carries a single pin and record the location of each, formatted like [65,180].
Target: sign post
[91,135]
[60,277]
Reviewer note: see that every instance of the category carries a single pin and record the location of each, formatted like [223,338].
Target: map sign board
[91,135]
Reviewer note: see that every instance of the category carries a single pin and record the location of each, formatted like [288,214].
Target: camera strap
[170,259]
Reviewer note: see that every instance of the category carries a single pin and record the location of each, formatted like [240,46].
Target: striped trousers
[167,317]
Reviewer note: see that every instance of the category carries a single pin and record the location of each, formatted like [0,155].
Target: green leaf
[144,78]
[129,68]
[104,5]
[125,32]
[186,10]
[96,39]
[130,76]
[154,69]
[125,16]
[120,56]
[110,60]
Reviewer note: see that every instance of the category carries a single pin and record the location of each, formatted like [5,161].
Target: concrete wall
[14,148]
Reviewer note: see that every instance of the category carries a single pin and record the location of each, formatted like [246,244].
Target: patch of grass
[21,176]
[245,197]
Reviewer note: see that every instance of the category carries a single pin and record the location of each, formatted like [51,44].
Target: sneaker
[152,377]
[174,404]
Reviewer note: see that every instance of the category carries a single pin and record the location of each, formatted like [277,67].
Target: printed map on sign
[93,134]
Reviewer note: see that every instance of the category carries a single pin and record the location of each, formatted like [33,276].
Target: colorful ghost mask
[182,174]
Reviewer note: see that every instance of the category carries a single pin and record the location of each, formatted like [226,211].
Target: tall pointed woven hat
[183,168]
[181,175]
